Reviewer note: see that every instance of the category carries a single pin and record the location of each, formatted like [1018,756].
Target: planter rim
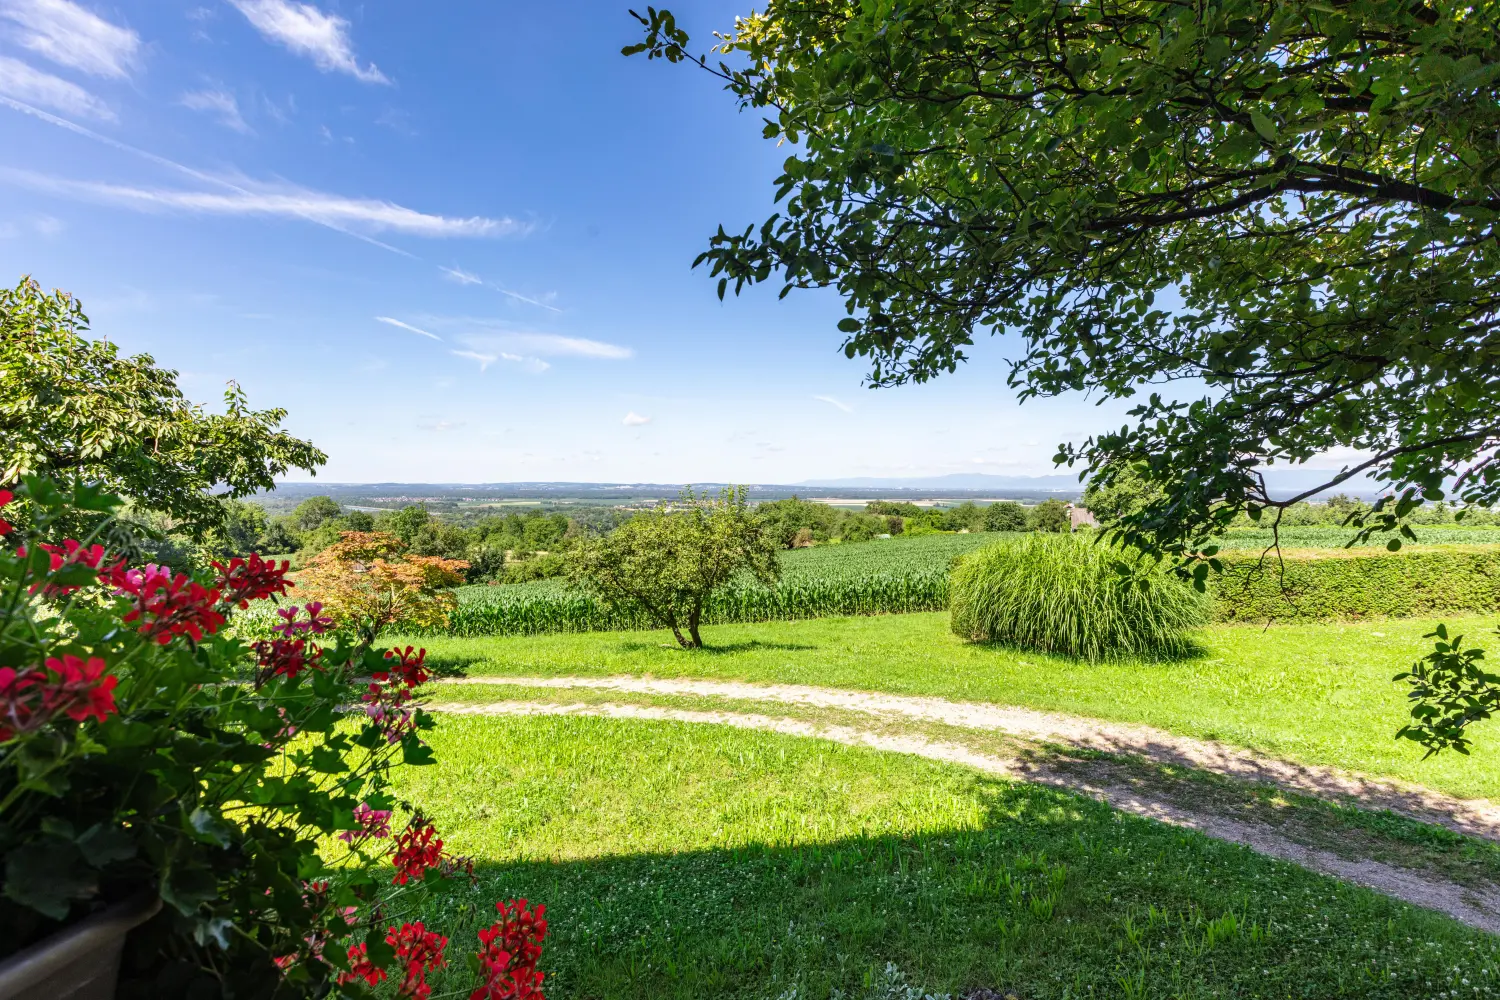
[33,965]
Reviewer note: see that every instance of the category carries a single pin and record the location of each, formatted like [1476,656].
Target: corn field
[885,576]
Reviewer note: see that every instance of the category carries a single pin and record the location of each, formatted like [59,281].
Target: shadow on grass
[1190,650]
[1049,895]
[714,648]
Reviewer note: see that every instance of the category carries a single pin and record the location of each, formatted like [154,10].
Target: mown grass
[1342,826]
[685,861]
[1318,693]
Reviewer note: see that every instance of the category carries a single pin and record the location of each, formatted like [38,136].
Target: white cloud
[307,31]
[405,326]
[634,419]
[461,276]
[219,103]
[26,83]
[485,360]
[555,344]
[71,36]
[250,198]
[835,402]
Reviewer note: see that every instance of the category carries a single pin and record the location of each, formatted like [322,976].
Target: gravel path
[1477,908]
[1476,817]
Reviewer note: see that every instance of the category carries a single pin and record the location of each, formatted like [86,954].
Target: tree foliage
[667,561]
[1005,515]
[1289,207]
[1050,516]
[369,582]
[75,410]
[1121,495]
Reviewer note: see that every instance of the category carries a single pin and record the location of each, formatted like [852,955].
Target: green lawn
[681,861]
[1319,693]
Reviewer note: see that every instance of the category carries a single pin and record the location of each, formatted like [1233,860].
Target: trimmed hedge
[1351,584]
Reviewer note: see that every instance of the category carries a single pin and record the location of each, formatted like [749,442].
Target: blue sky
[454,241]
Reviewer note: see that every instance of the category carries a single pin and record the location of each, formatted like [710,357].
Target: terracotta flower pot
[81,962]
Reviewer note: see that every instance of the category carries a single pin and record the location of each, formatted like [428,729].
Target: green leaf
[211,828]
[416,753]
[185,889]
[1263,125]
[49,876]
[102,845]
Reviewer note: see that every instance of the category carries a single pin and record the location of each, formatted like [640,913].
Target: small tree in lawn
[667,561]
[367,580]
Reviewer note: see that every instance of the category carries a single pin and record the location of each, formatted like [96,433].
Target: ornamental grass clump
[1063,594]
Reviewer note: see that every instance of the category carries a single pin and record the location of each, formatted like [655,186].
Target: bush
[1059,594]
[146,752]
[368,581]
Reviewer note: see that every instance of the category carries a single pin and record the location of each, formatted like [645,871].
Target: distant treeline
[532,543]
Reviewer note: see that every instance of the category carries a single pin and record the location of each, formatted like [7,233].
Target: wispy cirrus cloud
[461,276]
[250,198]
[486,359]
[835,402]
[307,31]
[552,344]
[388,321]
[23,82]
[220,104]
[72,36]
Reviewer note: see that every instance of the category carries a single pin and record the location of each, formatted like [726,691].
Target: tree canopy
[1271,223]
[74,409]
[668,560]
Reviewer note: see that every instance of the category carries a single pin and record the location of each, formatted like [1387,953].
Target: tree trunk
[694,617]
[681,640]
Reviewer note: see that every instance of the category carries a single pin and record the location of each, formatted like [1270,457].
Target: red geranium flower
[421,951]
[508,952]
[360,967]
[20,701]
[79,688]
[416,852]
[6,496]
[404,668]
[166,605]
[252,579]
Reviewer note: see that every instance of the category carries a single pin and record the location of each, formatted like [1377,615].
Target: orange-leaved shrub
[368,581]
